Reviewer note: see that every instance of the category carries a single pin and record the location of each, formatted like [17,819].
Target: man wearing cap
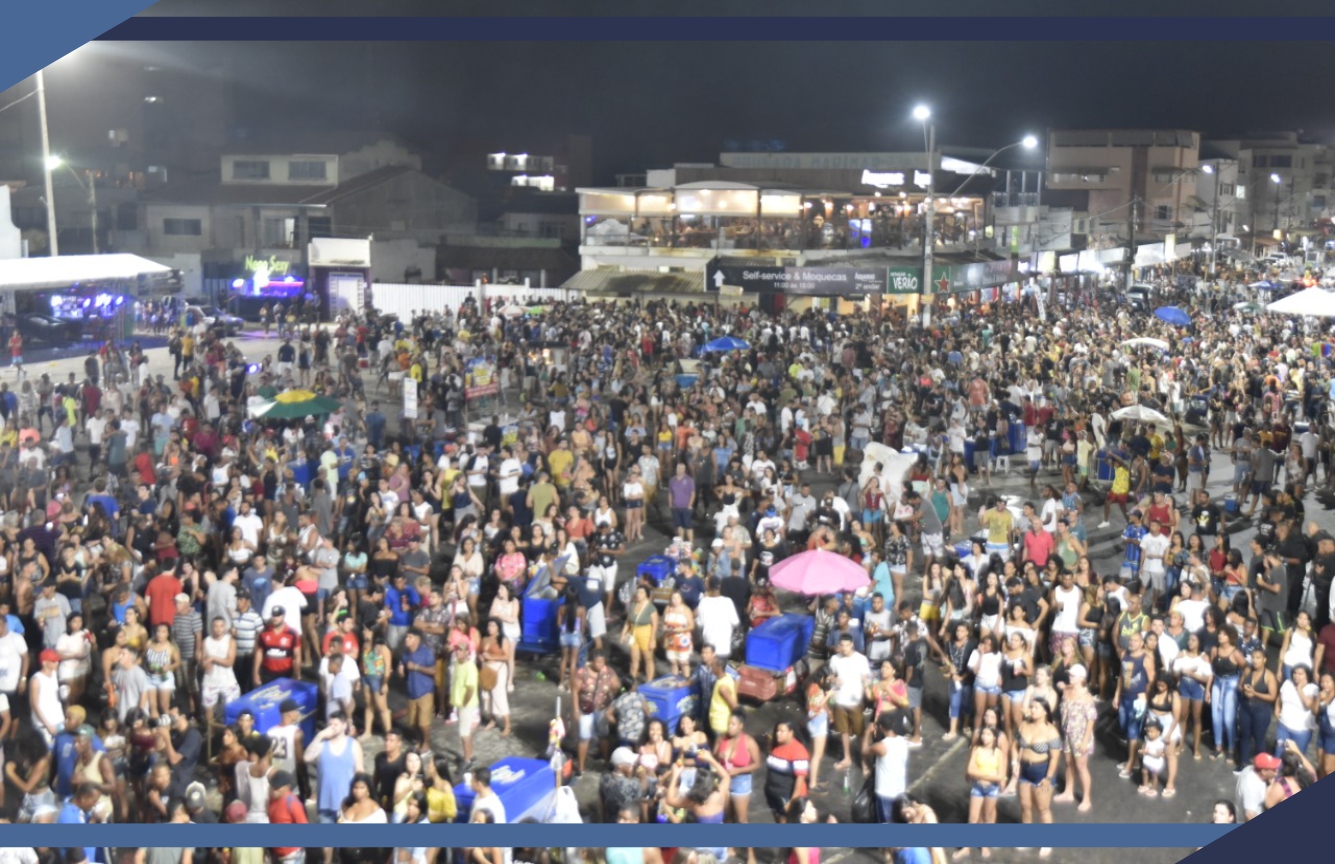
[48,714]
[65,750]
[289,742]
[1132,535]
[464,698]
[619,787]
[286,808]
[278,650]
[91,765]
[1253,782]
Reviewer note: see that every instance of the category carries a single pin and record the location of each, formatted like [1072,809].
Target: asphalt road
[936,769]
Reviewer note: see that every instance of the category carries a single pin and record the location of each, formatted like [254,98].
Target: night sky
[652,104]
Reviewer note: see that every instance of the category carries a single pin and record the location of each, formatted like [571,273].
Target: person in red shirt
[161,592]
[1038,544]
[285,809]
[278,654]
[143,463]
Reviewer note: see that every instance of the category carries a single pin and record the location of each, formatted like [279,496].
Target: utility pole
[1214,221]
[92,202]
[53,245]
[1131,241]
[928,238]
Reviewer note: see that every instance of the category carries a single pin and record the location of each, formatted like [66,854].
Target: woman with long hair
[985,664]
[377,667]
[505,608]
[1192,669]
[639,633]
[494,655]
[1325,715]
[986,772]
[571,628]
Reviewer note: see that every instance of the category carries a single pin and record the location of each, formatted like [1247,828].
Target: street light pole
[1214,216]
[923,114]
[53,244]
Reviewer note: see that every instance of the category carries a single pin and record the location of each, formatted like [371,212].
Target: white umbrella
[1145,340]
[1140,414]
[1317,302]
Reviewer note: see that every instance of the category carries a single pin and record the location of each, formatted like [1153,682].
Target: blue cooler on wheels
[656,568]
[1018,433]
[669,699]
[1103,467]
[779,642]
[264,703]
[521,784]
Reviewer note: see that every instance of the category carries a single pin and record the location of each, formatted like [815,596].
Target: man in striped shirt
[246,626]
[187,630]
[788,766]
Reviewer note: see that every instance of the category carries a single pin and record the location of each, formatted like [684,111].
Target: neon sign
[270,265]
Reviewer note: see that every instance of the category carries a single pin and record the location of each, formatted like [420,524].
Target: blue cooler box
[537,625]
[970,448]
[1018,435]
[657,568]
[779,642]
[264,701]
[669,698]
[1104,470]
[521,784]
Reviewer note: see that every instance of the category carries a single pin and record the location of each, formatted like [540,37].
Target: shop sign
[810,281]
[480,379]
[272,265]
[904,280]
[882,179]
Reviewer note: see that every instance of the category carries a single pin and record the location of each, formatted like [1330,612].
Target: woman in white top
[360,807]
[632,493]
[217,660]
[252,786]
[1296,706]
[985,663]
[75,647]
[1194,677]
[1298,646]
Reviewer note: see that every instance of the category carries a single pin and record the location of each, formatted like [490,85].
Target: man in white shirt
[1153,549]
[1252,785]
[851,674]
[96,426]
[718,619]
[288,598]
[250,524]
[507,477]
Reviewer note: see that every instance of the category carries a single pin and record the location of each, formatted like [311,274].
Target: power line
[18,100]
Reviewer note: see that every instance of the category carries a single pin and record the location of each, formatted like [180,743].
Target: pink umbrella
[817,572]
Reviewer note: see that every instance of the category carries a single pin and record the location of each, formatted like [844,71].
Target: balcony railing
[1015,199]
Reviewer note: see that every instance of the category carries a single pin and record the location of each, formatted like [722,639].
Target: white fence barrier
[405,300]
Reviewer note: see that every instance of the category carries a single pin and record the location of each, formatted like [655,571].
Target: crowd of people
[164,552]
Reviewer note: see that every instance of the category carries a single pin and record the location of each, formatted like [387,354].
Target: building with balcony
[569,163]
[1151,170]
[1285,182]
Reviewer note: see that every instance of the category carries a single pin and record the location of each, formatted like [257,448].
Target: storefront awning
[610,281]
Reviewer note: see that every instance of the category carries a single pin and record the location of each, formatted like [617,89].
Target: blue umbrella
[727,343]
[1173,315]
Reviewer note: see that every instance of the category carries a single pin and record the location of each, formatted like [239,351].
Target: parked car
[1139,297]
[47,329]
[215,319]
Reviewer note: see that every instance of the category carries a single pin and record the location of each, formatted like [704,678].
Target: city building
[1148,174]
[1285,183]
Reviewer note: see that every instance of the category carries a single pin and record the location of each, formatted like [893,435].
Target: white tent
[67,270]
[1317,302]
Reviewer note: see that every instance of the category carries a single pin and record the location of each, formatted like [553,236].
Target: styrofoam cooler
[521,784]
[669,699]
[779,642]
[263,703]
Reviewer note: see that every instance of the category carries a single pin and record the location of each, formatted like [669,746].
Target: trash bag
[864,803]
[565,808]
